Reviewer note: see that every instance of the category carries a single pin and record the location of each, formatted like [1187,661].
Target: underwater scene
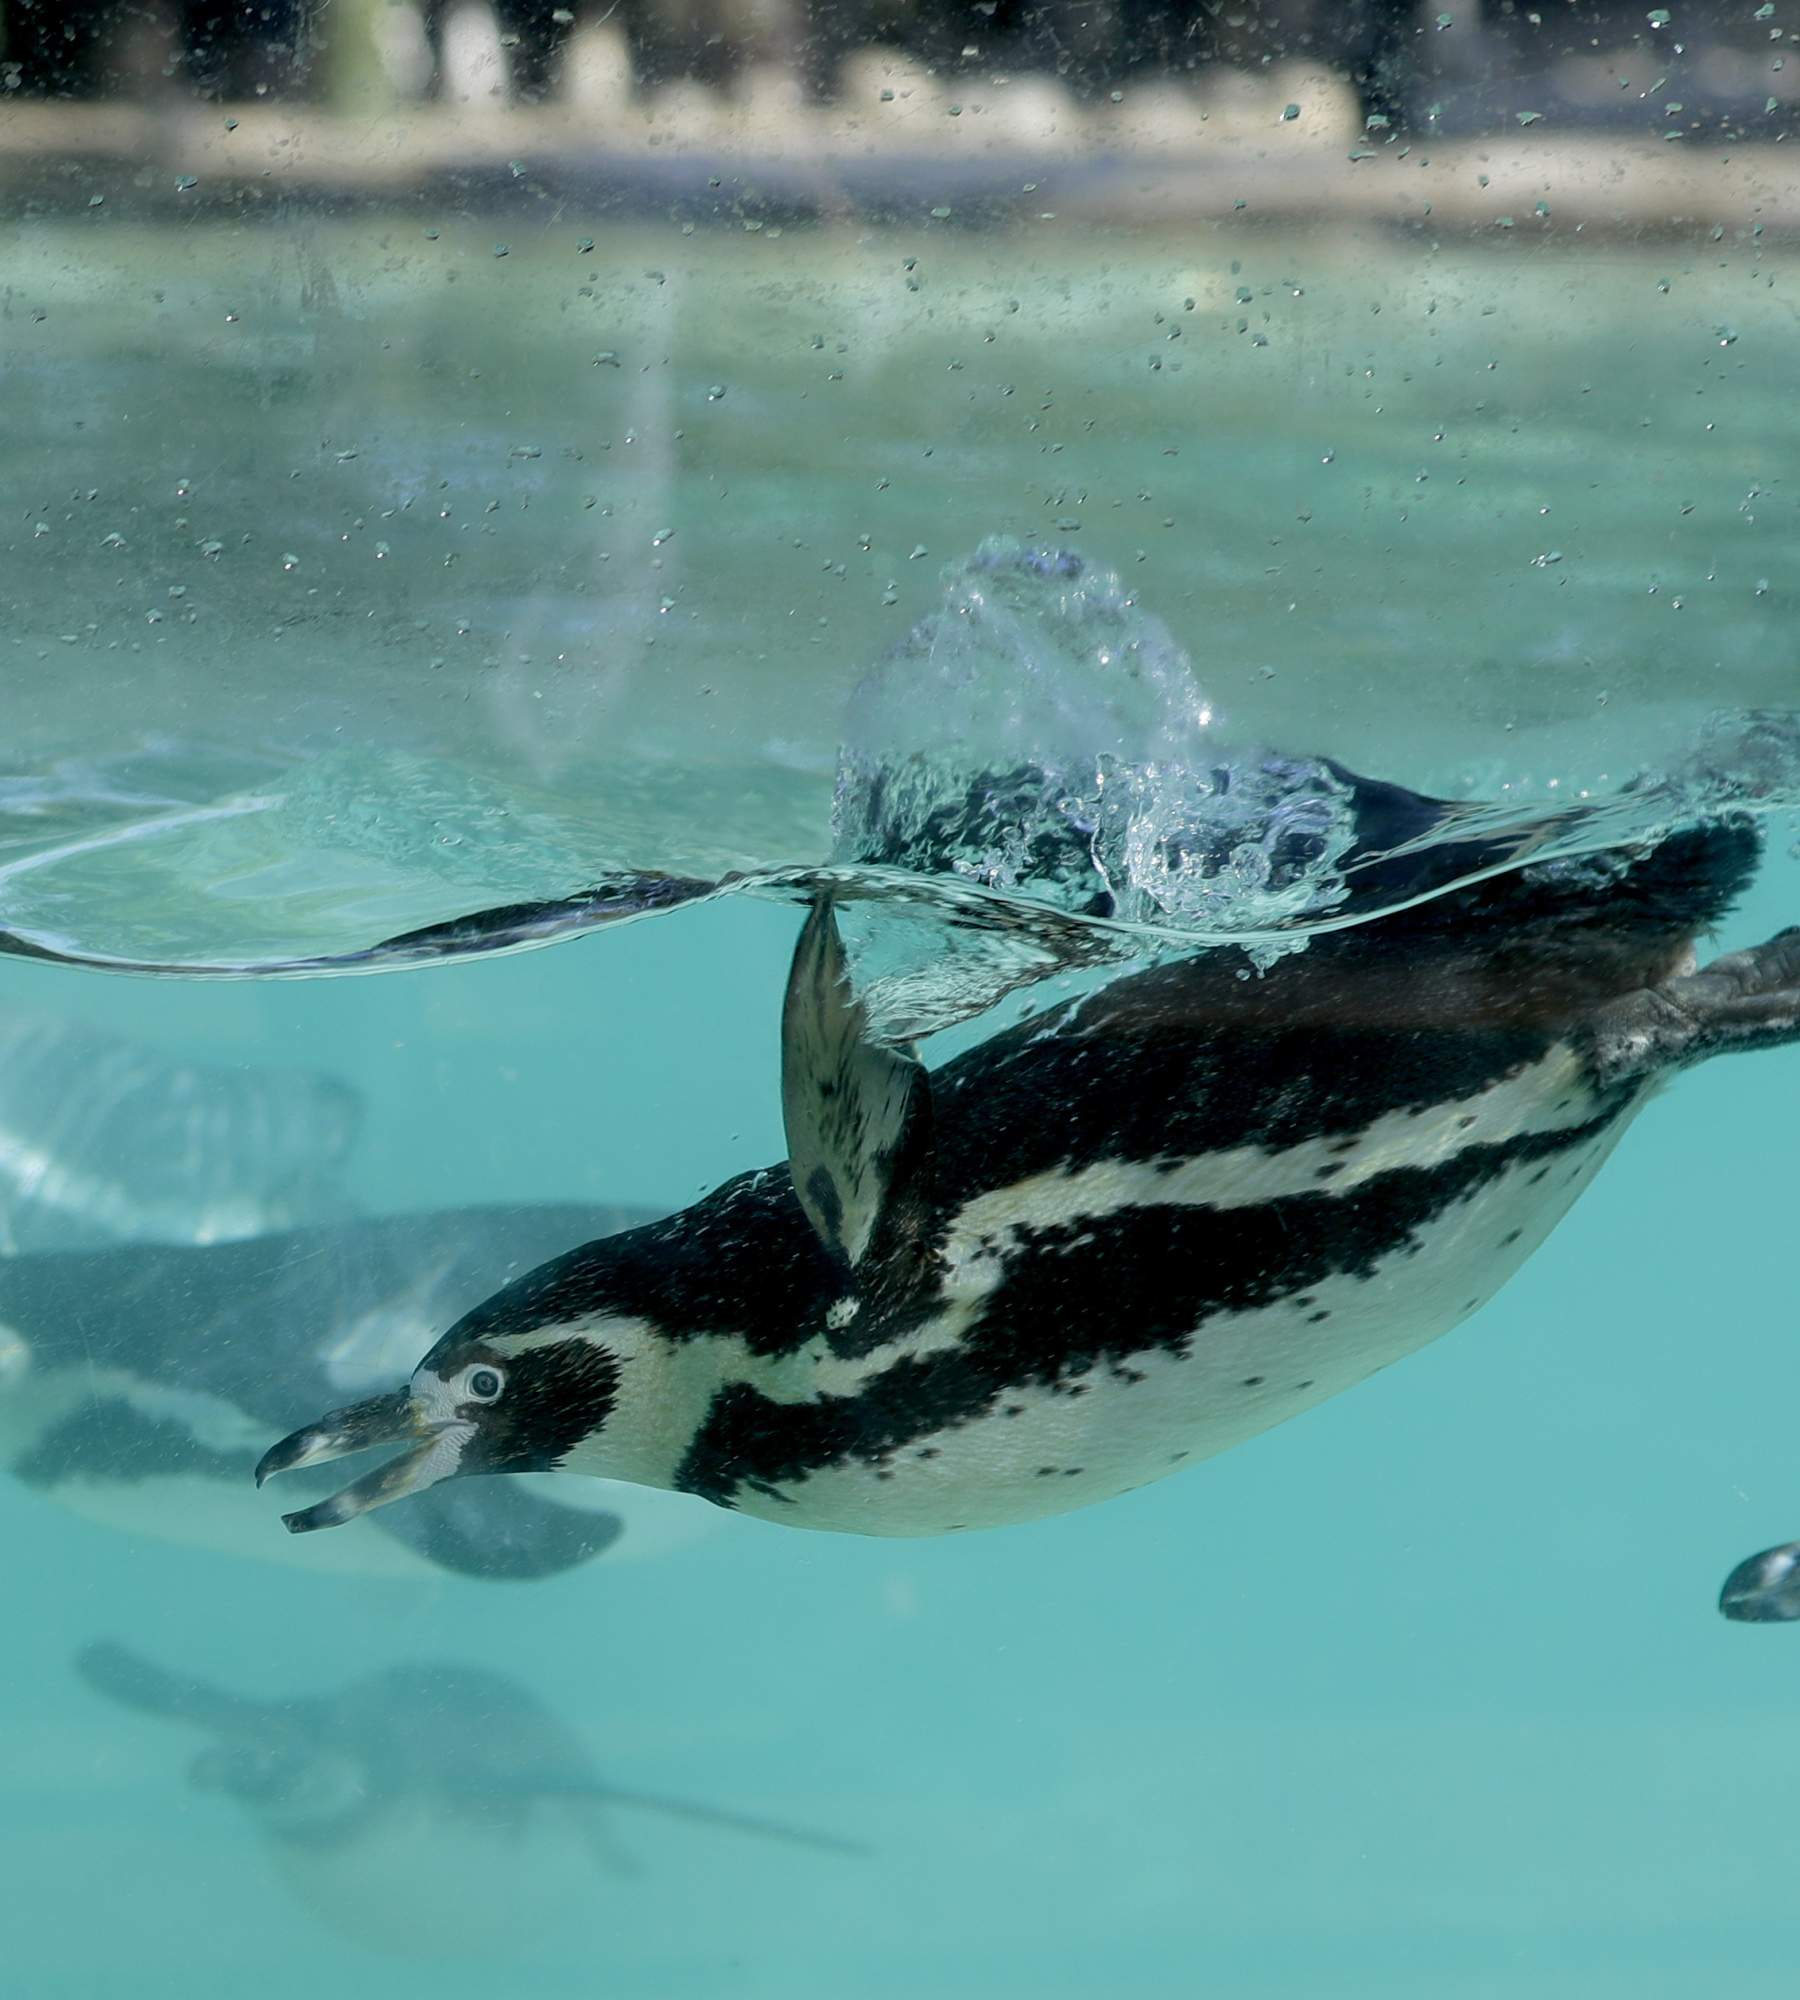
[777,893]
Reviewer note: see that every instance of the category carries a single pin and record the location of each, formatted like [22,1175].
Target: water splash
[1041,734]
[1033,779]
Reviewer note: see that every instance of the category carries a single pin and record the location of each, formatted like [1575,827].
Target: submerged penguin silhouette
[417,1804]
[136,1384]
[104,1139]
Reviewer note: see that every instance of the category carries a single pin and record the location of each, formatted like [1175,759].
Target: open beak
[436,1451]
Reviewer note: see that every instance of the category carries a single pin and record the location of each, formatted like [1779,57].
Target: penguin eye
[483,1385]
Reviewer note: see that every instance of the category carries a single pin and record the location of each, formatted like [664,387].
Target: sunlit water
[1424,1692]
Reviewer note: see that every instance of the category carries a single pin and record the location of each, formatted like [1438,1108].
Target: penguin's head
[488,1398]
[295,1789]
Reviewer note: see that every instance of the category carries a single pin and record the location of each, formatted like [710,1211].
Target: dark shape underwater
[137,1383]
[428,1810]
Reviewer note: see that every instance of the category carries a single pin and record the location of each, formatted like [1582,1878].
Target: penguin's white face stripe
[37,1177]
[1244,1176]
[43,1397]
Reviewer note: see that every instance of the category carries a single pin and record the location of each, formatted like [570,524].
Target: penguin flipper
[857,1110]
[511,927]
[497,1530]
[134,1682]
[579,1790]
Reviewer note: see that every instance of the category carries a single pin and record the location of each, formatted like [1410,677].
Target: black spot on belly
[1329,1172]
[1313,1319]
[1253,1381]
[1015,1409]
[1466,1121]
[1307,1384]
[1538,1176]
[1511,1236]
[1046,1471]
[1073,1471]
[930,1451]
[1175,1457]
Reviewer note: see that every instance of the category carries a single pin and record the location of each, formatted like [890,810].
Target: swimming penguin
[104,1140]
[1116,1238]
[422,1809]
[137,1384]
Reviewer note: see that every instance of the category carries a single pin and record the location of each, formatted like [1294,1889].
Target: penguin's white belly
[406,1884]
[1042,1450]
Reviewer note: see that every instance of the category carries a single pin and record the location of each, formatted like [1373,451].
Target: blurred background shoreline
[1588,115]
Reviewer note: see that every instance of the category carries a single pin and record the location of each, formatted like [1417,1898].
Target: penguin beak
[396,1418]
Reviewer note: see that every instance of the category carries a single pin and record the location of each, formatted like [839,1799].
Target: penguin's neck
[665,1388]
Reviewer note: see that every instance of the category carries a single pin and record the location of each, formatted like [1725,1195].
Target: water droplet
[716,394]
[502,249]
[1289,112]
[1528,117]
[290,562]
[662,535]
[1445,21]
[185,183]
[96,201]
[919,549]
[1659,17]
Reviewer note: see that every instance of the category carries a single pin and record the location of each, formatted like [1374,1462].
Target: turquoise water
[1422,1693]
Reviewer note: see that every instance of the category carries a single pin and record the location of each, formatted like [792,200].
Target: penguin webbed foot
[1745,1000]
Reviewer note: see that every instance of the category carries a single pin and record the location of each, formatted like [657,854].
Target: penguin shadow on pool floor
[419,1803]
